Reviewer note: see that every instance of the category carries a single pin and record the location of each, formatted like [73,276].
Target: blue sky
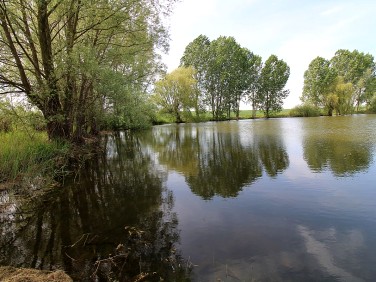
[296,31]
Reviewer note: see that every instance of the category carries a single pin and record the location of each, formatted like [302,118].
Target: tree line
[88,65]
[217,75]
[341,84]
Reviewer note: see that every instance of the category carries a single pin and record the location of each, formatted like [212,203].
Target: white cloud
[332,10]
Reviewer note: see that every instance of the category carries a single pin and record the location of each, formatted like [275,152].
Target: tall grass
[305,110]
[22,153]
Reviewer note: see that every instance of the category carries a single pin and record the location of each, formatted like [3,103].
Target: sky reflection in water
[296,199]
[259,200]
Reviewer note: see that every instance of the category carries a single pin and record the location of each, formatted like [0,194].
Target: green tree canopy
[60,54]
[177,92]
[226,73]
[326,81]
[318,79]
[196,55]
[357,68]
[253,82]
[274,76]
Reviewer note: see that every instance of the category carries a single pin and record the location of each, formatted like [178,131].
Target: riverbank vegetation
[82,62]
[25,147]
[305,110]
[32,155]
[342,84]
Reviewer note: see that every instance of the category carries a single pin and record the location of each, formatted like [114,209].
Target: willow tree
[61,53]
[177,92]
[356,68]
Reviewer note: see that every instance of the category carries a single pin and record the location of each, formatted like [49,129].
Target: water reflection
[340,145]
[289,223]
[216,159]
[272,152]
[115,203]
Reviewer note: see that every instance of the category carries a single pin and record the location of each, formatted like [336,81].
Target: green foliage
[22,153]
[5,123]
[136,114]
[228,74]
[177,92]
[60,54]
[372,105]
[318,79]
[342,92]
[342,84]
[20,117]
[274,76]
[305,110]
[5,120]
[356,68]
[254,83]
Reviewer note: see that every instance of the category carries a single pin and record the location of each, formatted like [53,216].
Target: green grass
[21,153]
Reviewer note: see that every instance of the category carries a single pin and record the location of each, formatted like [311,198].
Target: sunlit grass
[23,152]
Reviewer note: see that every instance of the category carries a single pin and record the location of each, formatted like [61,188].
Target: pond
[289,199]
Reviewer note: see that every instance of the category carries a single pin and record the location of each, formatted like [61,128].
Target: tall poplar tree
[274,76]
[318,80]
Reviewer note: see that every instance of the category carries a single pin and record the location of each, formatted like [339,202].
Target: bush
[372,105]
[36,121]
[5,124]
[305,110]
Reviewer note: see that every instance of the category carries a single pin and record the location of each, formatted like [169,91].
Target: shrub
[372,105]
[5,124]
[305,110]
[36,121]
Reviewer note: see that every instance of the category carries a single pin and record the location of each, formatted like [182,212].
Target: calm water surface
[257,200]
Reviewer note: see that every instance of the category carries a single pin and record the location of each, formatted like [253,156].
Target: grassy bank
[28,153]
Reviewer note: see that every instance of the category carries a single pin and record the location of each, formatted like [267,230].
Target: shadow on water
[113,221]
[214,160]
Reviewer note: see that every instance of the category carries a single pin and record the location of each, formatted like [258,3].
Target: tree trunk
[330,112]
[56,122]
[178,117]
[52,108]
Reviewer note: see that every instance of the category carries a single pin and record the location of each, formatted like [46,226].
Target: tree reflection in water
[113,221]
[343,145]
[215,160]
[342,156]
